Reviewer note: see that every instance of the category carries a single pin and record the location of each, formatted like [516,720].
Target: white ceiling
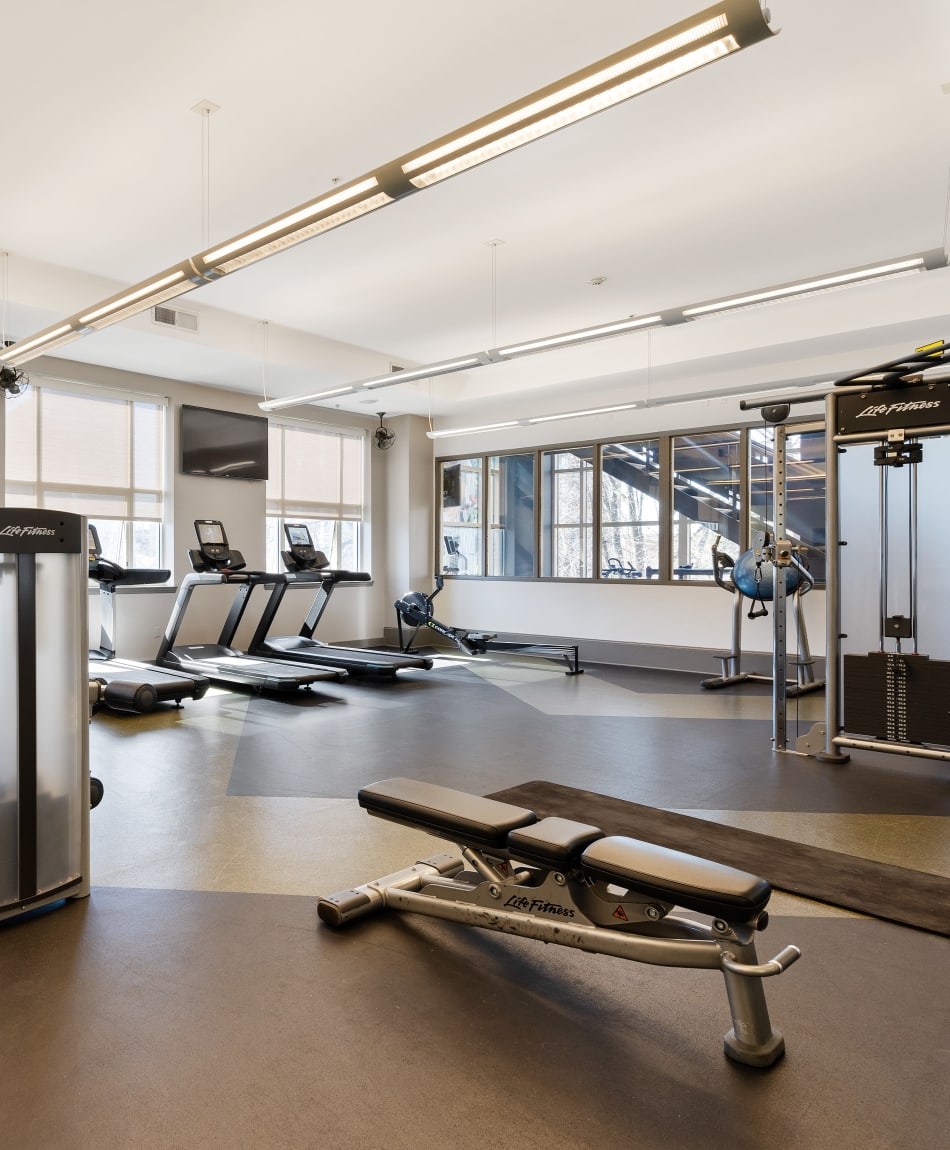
[823,148]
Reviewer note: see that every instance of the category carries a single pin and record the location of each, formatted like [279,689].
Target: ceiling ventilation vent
[171,317]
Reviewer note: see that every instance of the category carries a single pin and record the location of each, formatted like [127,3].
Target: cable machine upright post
[780,597]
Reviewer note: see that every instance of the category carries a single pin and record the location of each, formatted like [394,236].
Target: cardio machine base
[804,682]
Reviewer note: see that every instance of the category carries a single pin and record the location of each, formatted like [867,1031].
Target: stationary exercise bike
[750,578]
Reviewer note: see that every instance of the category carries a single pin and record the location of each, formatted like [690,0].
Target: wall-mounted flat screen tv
[222,444]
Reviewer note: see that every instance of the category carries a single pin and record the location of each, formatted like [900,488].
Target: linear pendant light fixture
[710,35]
[887,269]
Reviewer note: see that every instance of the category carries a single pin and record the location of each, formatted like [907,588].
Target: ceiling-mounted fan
[384,437]
[13,380]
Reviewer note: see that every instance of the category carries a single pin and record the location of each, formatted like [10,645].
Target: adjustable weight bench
[567,882]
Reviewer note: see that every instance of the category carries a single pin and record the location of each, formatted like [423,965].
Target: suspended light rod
[710,35]
[906,265]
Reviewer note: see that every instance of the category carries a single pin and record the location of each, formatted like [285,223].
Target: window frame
[667,572]
[40,489]
[282,509]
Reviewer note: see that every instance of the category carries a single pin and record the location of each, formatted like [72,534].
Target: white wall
[400,534]
[623,613]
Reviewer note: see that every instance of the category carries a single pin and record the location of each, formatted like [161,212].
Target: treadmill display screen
[211,533]
[298,536]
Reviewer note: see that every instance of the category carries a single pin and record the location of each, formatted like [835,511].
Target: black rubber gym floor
[192,1000]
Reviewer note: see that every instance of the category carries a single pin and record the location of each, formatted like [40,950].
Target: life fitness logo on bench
[539,906]
[16,529]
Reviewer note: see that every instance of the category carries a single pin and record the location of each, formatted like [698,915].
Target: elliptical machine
[750,577]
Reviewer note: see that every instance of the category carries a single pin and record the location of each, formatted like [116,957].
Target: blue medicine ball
[755,580]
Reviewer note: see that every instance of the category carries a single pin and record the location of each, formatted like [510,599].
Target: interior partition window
[567,513]
[462,526]
[95,453]
[512,533]
[630,509]
[315,476]
[706,474]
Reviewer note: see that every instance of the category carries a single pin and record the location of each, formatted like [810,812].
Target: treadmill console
[213,552]
[302,555]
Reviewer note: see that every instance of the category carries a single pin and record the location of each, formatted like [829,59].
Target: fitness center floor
[193,1001]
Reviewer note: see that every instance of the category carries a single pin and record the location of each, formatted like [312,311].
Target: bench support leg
[751,1040]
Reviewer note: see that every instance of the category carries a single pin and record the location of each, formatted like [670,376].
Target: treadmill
[306,565]
[128,685]
[215,563]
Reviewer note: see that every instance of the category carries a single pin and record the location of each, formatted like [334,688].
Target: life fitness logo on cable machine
[16,529]
[889,408]
[897,408]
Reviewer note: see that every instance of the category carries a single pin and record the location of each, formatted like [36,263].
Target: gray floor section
[192,1001]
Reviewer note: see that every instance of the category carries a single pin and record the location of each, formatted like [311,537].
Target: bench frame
[489,887]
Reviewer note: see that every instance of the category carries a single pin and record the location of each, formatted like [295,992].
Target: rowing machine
[567,882]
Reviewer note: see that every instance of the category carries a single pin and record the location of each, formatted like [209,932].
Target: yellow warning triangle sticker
[619,913]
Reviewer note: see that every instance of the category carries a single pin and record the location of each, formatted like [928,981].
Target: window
[567,513]
[630,510]
[512,532]
[95,453]
[316,478]
[462,517]
[707,476]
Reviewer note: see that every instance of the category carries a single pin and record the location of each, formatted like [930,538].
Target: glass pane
[338,539]
[512,545]
[349,536]
[567,512]
[630,509]
[111,534]
[146,544]
[461,527]
[706,500]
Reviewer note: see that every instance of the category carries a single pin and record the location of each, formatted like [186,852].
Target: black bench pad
[467,819]
[552,842]
[673,876]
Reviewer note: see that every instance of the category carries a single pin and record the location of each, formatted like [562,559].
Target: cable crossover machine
[892,699]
